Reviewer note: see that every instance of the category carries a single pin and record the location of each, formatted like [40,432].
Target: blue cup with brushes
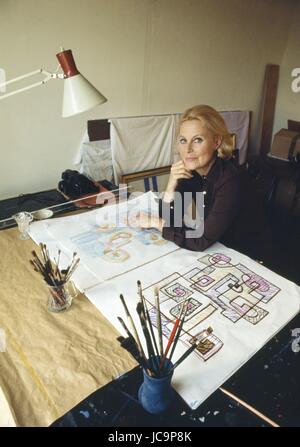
[156,392]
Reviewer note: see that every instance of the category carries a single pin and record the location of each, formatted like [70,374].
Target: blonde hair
[214,123]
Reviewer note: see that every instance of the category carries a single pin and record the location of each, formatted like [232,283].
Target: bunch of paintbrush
[157,363]
[50,270]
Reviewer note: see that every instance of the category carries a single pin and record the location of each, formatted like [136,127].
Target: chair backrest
[149,180]
[233,139]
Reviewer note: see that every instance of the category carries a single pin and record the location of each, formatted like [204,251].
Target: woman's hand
[144,220]
[178,171]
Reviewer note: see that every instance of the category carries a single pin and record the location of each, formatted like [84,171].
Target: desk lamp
[79,94]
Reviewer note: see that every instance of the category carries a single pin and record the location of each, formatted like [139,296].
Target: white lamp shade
[79,96]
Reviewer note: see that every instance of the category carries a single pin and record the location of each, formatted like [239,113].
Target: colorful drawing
[216,285]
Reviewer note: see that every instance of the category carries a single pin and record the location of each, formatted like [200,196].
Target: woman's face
[197,146]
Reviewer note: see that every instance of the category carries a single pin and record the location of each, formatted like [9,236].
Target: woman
[205,149]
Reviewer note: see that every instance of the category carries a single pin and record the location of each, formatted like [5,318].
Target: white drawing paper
[245,304]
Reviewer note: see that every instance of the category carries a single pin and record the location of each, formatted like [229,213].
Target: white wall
[145,56]
[288,102]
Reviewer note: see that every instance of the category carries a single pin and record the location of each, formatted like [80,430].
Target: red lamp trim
[67,63]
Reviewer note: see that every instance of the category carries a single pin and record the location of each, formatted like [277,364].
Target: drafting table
[269,381]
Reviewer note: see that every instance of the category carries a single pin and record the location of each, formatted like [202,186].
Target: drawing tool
[249,407]
[72,270]
[132,349]
[42,250]
[58,272]
[126,328]
[158,322]
[132,326]
[171,338]
[37,259]
[70,267]
[191,348]
[139,309]
[36,267]
[51,273]
[176,338]
[148,319]
[142,361]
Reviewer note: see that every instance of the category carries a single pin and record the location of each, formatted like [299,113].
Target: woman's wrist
[170,191]
[171,186]
[160,224]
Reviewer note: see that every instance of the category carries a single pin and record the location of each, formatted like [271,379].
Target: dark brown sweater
[222,201]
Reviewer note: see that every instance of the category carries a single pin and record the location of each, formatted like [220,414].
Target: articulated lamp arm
[79,94]
[47,74]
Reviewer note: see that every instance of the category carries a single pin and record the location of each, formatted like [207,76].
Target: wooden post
[268,111]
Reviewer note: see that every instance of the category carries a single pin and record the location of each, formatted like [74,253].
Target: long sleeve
[222,212]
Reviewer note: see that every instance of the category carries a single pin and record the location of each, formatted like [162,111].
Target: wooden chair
[150,179]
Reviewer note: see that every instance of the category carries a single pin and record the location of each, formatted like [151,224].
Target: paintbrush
[48,264]
[58,272]
[148,319]
[42,250]
[37,259]
[142,361]
[132,327]
[132,349]
[70,267]
[44,271]
[176,338]
[126,328]
[36,267]
[72,270]
[191,349]
[172,335]
[158,322]
[151,353]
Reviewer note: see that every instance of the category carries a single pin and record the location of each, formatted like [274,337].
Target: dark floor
[269,382]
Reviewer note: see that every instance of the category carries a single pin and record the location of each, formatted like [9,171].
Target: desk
[60,361]
[32,202]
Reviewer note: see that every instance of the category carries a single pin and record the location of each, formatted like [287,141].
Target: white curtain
[142,143]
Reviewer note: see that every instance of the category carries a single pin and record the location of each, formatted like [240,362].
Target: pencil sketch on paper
[214,284]
[104,240]
[108,241]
